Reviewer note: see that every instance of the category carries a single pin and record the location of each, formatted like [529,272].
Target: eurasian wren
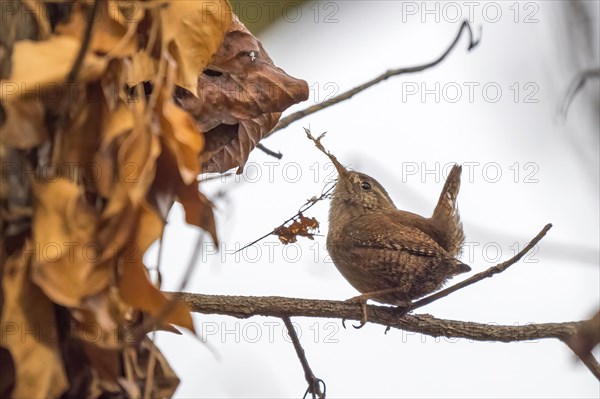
[389,255]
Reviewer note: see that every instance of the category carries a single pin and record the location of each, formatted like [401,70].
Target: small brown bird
[389,255]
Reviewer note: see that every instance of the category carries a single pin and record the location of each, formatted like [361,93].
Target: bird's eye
[365,185]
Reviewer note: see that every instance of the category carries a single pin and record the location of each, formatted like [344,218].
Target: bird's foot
[403,306]
[362,300]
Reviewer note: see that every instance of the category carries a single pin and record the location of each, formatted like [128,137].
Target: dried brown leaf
[302,226]
[198,209]
[67,264]
[143,68]
[137,290]
[24,127]
[241,89]
[237,151]
[182,137]
[108,35]
[117,123]
[242,82]
[57,55]
[192,31]
[29,332]
[146,362]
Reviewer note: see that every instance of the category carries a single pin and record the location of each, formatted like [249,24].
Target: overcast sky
[494,110]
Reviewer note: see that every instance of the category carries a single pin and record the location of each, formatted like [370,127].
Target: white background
[398,137]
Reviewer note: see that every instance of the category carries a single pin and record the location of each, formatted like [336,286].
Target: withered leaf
[67,260]
[116,123]
[24,127]
[29,332]
[108,35]
[301,226]
[198,209]
[143,68]
[137,290]
[242,90]
[57,55]
[138,362]
[192,31]
[236,152]
[168,187]
[183,138]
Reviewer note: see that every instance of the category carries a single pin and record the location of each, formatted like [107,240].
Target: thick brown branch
[288,120]
[247,306]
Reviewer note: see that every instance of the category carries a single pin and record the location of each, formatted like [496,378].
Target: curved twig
[288,120]
[85,43]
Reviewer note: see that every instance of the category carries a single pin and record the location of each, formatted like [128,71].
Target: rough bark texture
[244,307]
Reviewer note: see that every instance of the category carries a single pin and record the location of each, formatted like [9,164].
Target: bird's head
[357,189]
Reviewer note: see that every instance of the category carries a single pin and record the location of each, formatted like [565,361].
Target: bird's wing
[388,233]
[399,255]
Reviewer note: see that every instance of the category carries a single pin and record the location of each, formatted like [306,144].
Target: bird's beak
[343,173]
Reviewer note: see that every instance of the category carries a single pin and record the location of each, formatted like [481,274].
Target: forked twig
[314,383]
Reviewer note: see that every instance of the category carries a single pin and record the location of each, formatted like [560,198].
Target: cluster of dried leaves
[101,133]
[301,226]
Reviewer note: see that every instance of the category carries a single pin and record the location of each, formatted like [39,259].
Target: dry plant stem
[150,374]
[267,151]
[313,382]
[247,306]
[288,120]
[85,44]
[499,268]
[189,270]
[309,204]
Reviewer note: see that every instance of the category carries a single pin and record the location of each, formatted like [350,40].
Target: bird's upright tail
[446,216]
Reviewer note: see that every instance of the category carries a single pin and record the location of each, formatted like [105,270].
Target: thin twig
[576,85]
[84,44]
[314,383]
[267,151]
[192,262]
[499,268]
[309,204]
[288,120]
